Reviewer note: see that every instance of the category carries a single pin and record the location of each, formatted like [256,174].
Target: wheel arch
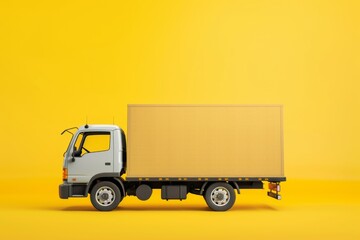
[205,185]
[235,186]
[114,178]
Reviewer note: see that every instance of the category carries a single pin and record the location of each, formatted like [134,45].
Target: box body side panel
[205,141]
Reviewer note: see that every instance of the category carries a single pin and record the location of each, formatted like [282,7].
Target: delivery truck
[208,150]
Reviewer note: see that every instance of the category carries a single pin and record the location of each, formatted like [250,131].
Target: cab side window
[95,142]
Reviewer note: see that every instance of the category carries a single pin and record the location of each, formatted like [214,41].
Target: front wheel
[105,196]
[220,196]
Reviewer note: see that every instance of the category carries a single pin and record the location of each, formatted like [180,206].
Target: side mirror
[77,153]
[74,154]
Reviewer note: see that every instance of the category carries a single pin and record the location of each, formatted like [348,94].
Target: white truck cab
[95,151]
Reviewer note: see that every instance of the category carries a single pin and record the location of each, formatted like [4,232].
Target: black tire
[220,196]
[105,196]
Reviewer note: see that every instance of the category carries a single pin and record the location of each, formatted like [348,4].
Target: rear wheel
[105,196]
[220,196]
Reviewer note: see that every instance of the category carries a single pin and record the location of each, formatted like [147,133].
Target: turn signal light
[65,174]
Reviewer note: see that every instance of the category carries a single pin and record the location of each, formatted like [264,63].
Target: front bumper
[64,190]
[67,190]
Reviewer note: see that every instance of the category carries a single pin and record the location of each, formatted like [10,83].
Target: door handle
[107,163]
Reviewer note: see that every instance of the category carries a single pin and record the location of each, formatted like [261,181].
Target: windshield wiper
[67,130]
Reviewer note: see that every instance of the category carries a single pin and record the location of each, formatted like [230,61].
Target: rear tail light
[274,187]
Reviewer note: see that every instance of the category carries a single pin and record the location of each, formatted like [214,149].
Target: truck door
[92,154]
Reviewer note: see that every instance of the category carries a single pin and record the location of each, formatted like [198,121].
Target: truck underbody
[172,188]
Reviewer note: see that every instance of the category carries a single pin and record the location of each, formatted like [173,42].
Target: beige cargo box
[187,141]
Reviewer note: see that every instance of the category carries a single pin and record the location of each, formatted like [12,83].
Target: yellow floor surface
[310,209]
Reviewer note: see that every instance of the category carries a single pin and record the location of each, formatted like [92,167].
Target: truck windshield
[78,141]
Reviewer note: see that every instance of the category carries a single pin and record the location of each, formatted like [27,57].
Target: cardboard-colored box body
[205,141]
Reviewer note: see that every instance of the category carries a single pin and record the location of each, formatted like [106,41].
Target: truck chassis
[219,193]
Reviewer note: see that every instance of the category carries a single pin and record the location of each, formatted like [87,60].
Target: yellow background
[64,61]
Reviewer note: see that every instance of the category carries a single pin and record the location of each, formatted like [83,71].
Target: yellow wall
[61,61]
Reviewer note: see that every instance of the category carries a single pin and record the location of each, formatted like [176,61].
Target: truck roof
[105,127]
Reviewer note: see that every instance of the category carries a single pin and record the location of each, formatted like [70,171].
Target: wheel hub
[220,196]
[105,196]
